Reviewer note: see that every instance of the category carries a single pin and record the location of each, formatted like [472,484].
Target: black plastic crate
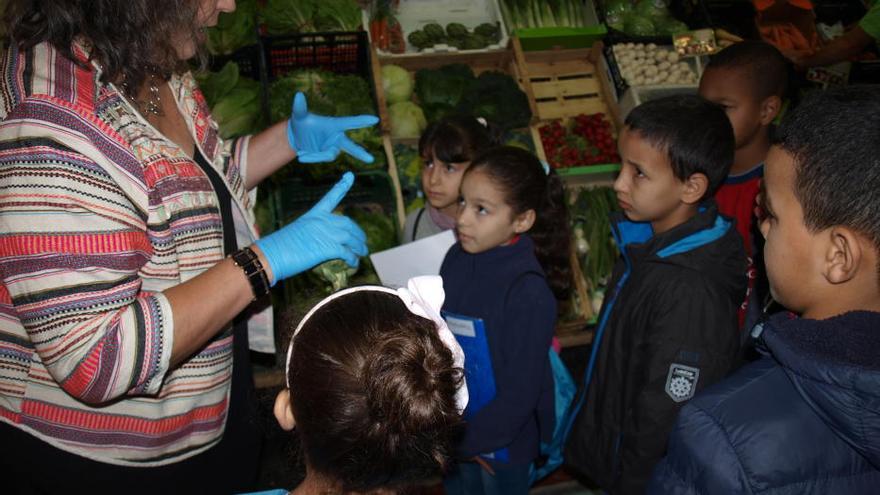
[620,84]
[341,52]
[248,58]
[294,195]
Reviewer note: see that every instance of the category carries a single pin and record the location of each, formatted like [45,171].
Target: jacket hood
[707,243]
[834,366]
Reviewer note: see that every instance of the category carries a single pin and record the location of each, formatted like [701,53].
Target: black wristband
[248,261]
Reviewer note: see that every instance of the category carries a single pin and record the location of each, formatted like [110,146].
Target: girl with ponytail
[508,269]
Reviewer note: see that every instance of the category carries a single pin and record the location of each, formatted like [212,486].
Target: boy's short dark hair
[694,133]
[834,138]
[764,65]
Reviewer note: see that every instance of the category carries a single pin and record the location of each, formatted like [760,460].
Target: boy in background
[749,80]
[804,418]
[668,324]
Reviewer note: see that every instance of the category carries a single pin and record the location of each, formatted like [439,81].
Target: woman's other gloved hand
[317,138]
[316,237]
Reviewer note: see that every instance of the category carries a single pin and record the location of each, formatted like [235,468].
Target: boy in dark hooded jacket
[806,417]
[668,326]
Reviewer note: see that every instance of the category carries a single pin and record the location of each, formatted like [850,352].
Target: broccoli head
[474,42]
[456,30]
[419,40]
[434,32]
[489,31]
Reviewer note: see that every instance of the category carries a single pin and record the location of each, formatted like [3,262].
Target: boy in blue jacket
[806,417]
[668,325]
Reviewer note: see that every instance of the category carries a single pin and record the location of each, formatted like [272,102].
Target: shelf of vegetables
[638,72]
[549,24]
[573,132]
[408,28]
[594,246]
[414,91]
[570,128]
[648,21]
[308,46]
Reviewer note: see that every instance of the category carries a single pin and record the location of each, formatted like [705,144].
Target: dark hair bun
[373,390]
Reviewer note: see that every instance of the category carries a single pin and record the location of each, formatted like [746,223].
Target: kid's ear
[524,221]
[770,108]
[843,256]
[283,411]
[695,188]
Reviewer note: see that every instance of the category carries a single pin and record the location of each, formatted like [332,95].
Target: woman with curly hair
[131,276]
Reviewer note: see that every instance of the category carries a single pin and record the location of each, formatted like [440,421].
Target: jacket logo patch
[681,382]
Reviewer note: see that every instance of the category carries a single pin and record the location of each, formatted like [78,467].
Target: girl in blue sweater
[505,274]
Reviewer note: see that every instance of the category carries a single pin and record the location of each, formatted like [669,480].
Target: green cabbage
[652,9]
[407,120]
[638,26]
[671,26]
[234,100]
[234,29]
[397,84]
[617,7]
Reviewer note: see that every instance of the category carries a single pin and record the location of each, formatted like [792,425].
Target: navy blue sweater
[505,286]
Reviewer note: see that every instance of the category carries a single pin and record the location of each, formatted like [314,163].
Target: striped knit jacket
[99,213]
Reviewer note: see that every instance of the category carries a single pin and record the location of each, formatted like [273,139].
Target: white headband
[423,296]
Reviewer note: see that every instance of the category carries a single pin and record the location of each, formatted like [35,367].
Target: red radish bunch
[587,141]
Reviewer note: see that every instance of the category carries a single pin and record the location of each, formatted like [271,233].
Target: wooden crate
[395,180]
[501,61]
[561,83]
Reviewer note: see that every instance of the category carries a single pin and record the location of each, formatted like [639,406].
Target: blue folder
[471,336]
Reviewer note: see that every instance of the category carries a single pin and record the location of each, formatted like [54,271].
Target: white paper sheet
[423,257]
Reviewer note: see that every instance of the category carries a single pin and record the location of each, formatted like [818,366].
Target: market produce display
[642,18]
[648,64]
[336,95]
[593,242]
[381,235]
[451,89]
[234,30]
[583,140]
[409,170]
[397,83]
[234,100]
[456,35]
[386,33]
[520,14]
[281,17]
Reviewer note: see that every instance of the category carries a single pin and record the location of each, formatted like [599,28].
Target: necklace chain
[153,105]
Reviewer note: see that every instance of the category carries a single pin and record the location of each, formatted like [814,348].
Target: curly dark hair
[526,186]
[129,39]
[373,393]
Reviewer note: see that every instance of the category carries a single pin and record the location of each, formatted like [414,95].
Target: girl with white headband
[375,390]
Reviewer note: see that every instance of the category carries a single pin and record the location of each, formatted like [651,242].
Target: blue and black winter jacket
[668,328]
[805,419]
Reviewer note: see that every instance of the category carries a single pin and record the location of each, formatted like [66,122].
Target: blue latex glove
[316,237]
[316,138]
